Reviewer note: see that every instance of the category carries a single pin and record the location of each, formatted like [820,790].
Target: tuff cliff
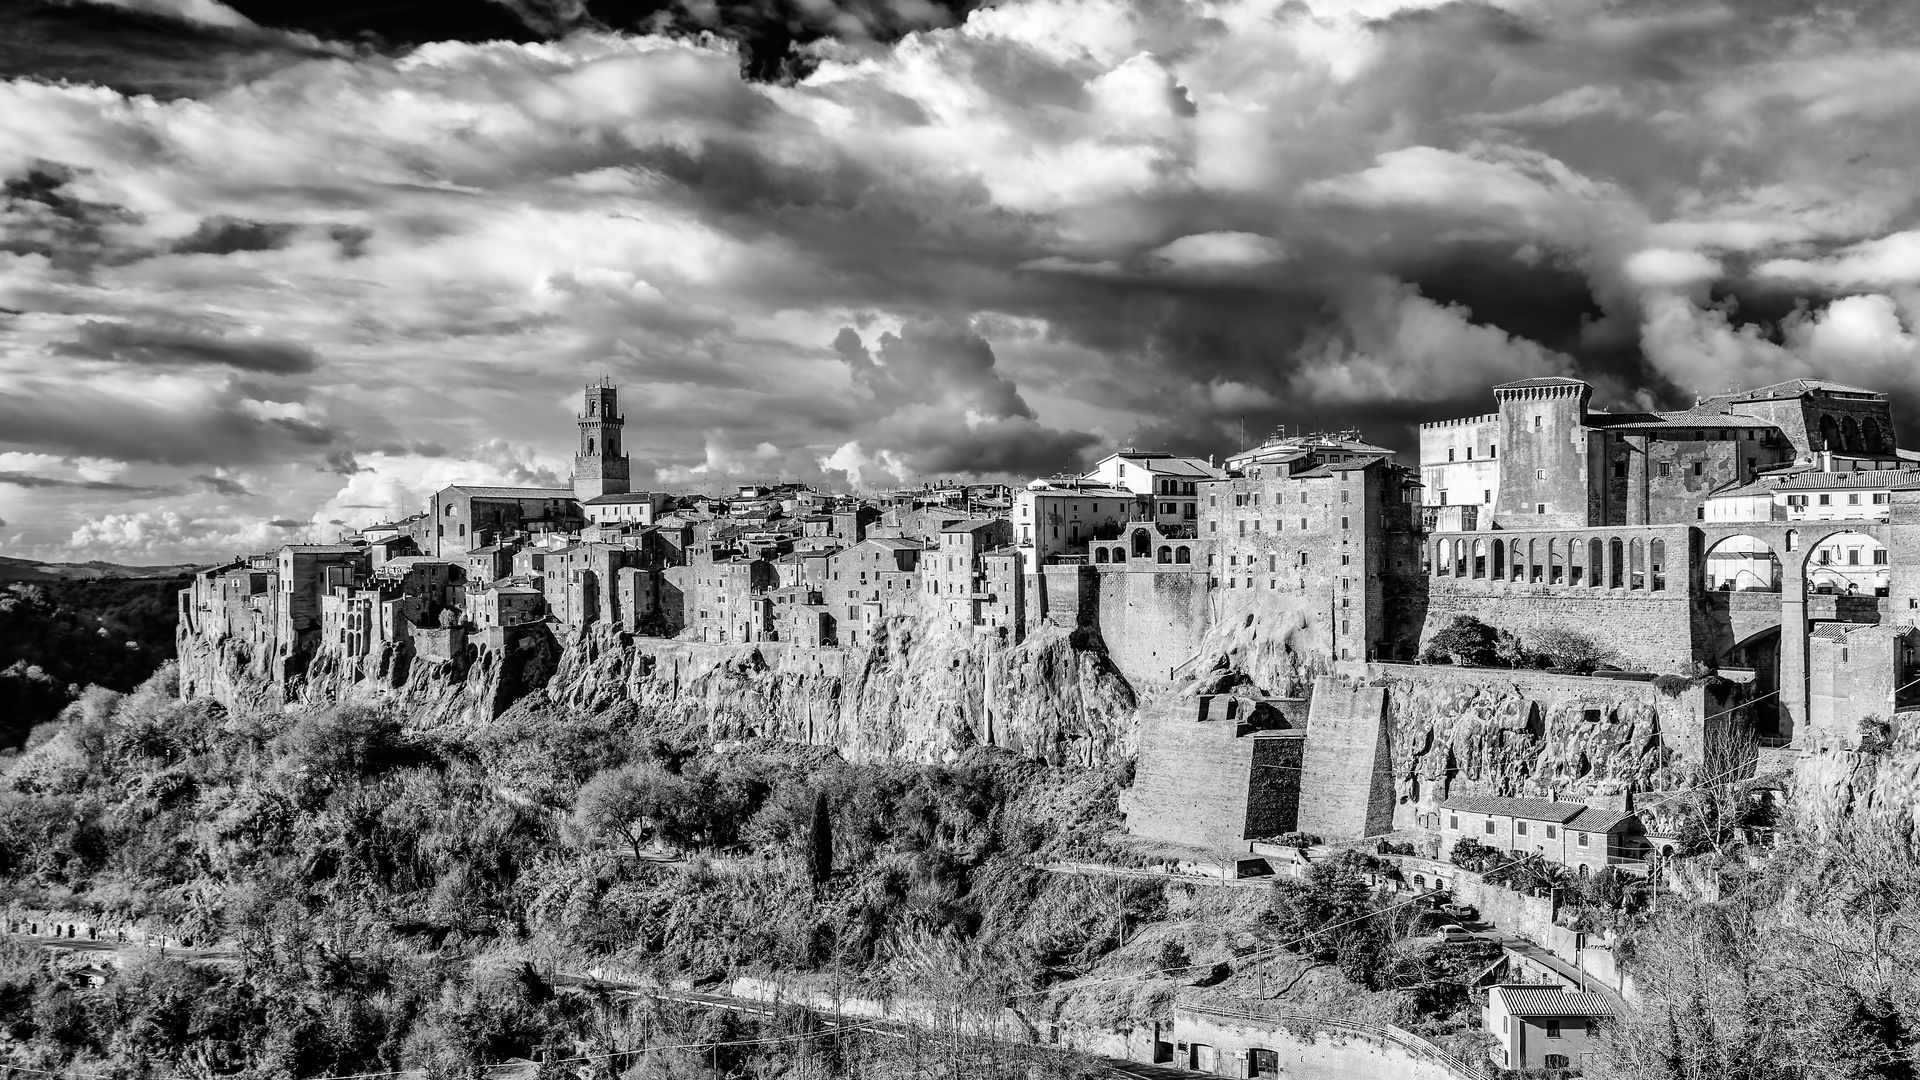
[918,692]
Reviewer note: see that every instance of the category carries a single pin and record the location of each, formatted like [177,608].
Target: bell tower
[600,464]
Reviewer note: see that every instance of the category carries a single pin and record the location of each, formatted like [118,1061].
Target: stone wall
[1273,784]
[1347,788]
[1651,631]
[1190,782]
[1152,622]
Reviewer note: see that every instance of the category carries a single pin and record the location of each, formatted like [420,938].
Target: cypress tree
[820,840]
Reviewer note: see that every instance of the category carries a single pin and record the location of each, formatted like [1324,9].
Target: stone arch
[1498,571]
[1440,558]
[1829,434]
[1637,564]
[1183,555]
[1742,563]
[1596,562]
[1142,544]
[1657,565]
[1850,435]
[1099,554]
[1871,439]
[1616,571]
[1848,563]
[1793,539]
[1479,558]
[1556,569]
[589,446]
[1165,554]
[1119,553]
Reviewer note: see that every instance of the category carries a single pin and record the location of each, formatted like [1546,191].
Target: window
[1520,828]
[1536,423]
[1826,500]
[1552,1024]
[1539,508]
[1213,500]
[1489,826]
[1698,466]
[1443,496]
[1880,557]
[1493,449]
[1343,523]
[1449,453]
[1666,469]
[1619,470]
[1453,821]
[1879,498]
[1593,1026]
[1557,1061]
[1551,832]
[1853,556]
[1853,498]
[1344,493]
[1486,495]
[1583,839]
[1345,559]
[1539,474]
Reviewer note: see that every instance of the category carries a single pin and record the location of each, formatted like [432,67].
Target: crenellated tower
[600,463]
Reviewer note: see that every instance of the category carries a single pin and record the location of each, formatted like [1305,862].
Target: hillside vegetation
[57,637]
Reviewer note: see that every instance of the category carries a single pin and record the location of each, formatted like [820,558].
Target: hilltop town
[1528,641]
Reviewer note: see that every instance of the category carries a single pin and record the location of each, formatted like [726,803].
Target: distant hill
[28,570]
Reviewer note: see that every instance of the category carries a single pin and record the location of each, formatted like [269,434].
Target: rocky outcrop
[1541,735]
[915,693]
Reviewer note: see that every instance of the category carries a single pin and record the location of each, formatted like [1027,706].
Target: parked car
[1453,932]
[1464,912]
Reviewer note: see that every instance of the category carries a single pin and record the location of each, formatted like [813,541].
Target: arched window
[1742,563]
[1099,554]
[1183,555]
[1442,558]
[1166,555]
[1850,435]
[1499,571]
[1615,572]
[1479,558]
[589,446]
[1560,1061]
[1829,434]
[1460,554]
[1556,570]
[1793,539]
[1594,559]
[1119,554]
[1870,438]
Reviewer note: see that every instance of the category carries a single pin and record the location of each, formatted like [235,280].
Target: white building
[1460,463]
[1167,482]
[1823,493]
[625,508]
[1058,517]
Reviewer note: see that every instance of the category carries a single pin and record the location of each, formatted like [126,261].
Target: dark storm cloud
[222,235]
[180,347]
[344,463]
[138,52]
[27,480]
[223,486]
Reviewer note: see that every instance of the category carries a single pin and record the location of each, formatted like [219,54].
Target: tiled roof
[623,497]
[1531,809]
[969,525]
[475,491]
[1528,384]
[1172,465]
[323,549]
[1084,490]
[1702,416]
[1595,820]
[1797,387]
[1550,1001]
[1827,481]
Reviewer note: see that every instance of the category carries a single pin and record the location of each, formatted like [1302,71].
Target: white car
[1452,932]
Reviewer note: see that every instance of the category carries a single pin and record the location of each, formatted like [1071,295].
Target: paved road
[104,945]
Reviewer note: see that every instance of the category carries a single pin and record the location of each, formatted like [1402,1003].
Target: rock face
[1540,735]
[917,693]
[914,694]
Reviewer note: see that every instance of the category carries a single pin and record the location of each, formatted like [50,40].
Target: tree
[1466,641]
[1572,650]
[820,840]
[635,803]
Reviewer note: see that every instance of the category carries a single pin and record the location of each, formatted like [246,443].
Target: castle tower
[599,463]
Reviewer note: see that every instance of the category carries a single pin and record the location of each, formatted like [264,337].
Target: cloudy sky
[262,274]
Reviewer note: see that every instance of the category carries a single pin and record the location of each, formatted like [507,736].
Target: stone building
[883,572]
[955,574]
[1324,544]
[1543,1027]
[1585,839]
[1058,518]
[460,511]
[1166,485]
[600,464]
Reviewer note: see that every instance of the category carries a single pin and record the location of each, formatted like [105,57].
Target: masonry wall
[1530,917]
[1347,789]
[1302,1047]
[1190,785]
[1273,784]
[1650,631]
[1151,622]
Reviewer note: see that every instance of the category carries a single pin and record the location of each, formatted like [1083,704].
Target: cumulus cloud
[992,246]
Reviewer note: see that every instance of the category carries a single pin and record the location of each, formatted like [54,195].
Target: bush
[1572,650]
